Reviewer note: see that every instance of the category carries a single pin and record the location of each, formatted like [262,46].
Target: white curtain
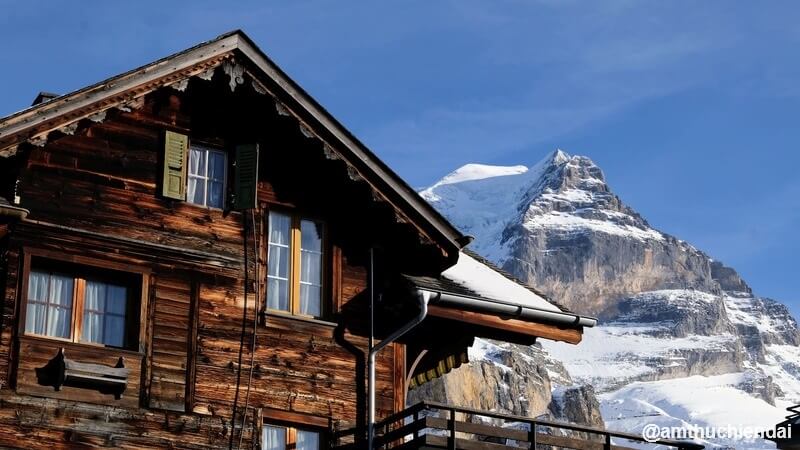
[216,179]
[36,313]
[310,268]
[49,311]
[196,189]
[278,261]
[104,313]
[273,438]
[93,306]
[307,440]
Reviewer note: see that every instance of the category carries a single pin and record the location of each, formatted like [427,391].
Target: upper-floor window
[80,306]
[295,264]
[284,438]
[206,176]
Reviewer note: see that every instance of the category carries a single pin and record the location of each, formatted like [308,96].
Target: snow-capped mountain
[683,340]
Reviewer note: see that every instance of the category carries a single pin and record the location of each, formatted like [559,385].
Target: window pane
[277,294]
[215,194]
[310,267]
[114,332]
[105,306]
[34,318]
[196,191]
[92,327]
[59,311]
[216,166]
[310,300]
[51,314]
[38,285]
[61,291]
[307,440]
[197,162]
[278,264]
[273,438]
[94,296]
[58,322]
[279,225]
[311,236]
[117,299]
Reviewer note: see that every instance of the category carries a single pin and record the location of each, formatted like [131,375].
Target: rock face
[515,380]
[669,313]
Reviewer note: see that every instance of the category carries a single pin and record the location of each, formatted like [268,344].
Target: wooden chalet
[195,254]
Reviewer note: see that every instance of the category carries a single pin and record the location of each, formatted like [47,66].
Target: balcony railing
[430,425]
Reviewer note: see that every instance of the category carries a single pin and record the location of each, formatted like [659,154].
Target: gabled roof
[34,124]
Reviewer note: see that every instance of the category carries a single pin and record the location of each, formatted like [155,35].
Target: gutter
[507,309]
[14,212]
[423,297]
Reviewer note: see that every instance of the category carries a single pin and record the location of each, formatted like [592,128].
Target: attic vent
[43,97]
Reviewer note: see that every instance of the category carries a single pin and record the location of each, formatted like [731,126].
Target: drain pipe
[422,297]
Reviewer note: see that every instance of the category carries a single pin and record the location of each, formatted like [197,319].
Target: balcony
[429,425]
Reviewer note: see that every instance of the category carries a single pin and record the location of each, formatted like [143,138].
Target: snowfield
[694,401]
[610,354]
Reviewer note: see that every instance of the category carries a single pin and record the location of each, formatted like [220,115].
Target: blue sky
[691,108]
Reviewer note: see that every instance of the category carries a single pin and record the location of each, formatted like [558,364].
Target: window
[295,265]
[283,438]
[207,173]
[87,306]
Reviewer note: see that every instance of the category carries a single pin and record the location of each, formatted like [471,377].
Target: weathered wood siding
[95,194]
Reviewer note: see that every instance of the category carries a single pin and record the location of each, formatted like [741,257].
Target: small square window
[208,169]
[275,437]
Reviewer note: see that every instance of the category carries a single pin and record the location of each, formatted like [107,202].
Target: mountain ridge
[670,313]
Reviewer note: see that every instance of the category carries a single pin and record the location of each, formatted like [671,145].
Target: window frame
[295,264]
[137,279]
[206,179]
[291,429]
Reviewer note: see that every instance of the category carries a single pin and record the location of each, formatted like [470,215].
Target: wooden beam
[537,329]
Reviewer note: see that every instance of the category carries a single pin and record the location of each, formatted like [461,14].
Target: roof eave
[43,118]
[511,310]
[366,157]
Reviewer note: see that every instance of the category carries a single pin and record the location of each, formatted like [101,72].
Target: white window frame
[204,177]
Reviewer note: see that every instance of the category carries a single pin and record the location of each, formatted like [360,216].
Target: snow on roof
[491,284]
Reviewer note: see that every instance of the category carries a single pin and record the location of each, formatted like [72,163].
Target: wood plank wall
[103,180]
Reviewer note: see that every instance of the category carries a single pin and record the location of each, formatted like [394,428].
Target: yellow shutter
[175,151]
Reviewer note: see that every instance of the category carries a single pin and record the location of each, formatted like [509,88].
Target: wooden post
[451,426]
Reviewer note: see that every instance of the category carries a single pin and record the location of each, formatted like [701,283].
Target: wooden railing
[437,426]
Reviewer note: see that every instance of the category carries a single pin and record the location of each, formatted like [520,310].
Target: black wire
[253,341]
[241,340]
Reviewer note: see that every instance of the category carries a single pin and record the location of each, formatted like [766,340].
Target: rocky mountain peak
[682,337]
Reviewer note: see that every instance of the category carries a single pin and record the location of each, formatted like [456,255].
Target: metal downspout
[423,297]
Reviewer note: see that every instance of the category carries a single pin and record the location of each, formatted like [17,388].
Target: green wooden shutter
[175,150]
[245,177]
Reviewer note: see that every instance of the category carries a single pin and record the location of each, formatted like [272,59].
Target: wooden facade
[90,173]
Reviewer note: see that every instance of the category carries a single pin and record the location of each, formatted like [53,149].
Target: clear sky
[691,108]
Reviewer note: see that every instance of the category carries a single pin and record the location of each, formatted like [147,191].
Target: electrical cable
[241,340]
[254,340]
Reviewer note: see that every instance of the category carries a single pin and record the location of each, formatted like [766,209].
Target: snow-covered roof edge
[482,277]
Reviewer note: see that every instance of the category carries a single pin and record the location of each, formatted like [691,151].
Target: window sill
[306,319]
[68,344]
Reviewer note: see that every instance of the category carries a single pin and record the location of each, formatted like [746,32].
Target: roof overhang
[34,124]
[565,327]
